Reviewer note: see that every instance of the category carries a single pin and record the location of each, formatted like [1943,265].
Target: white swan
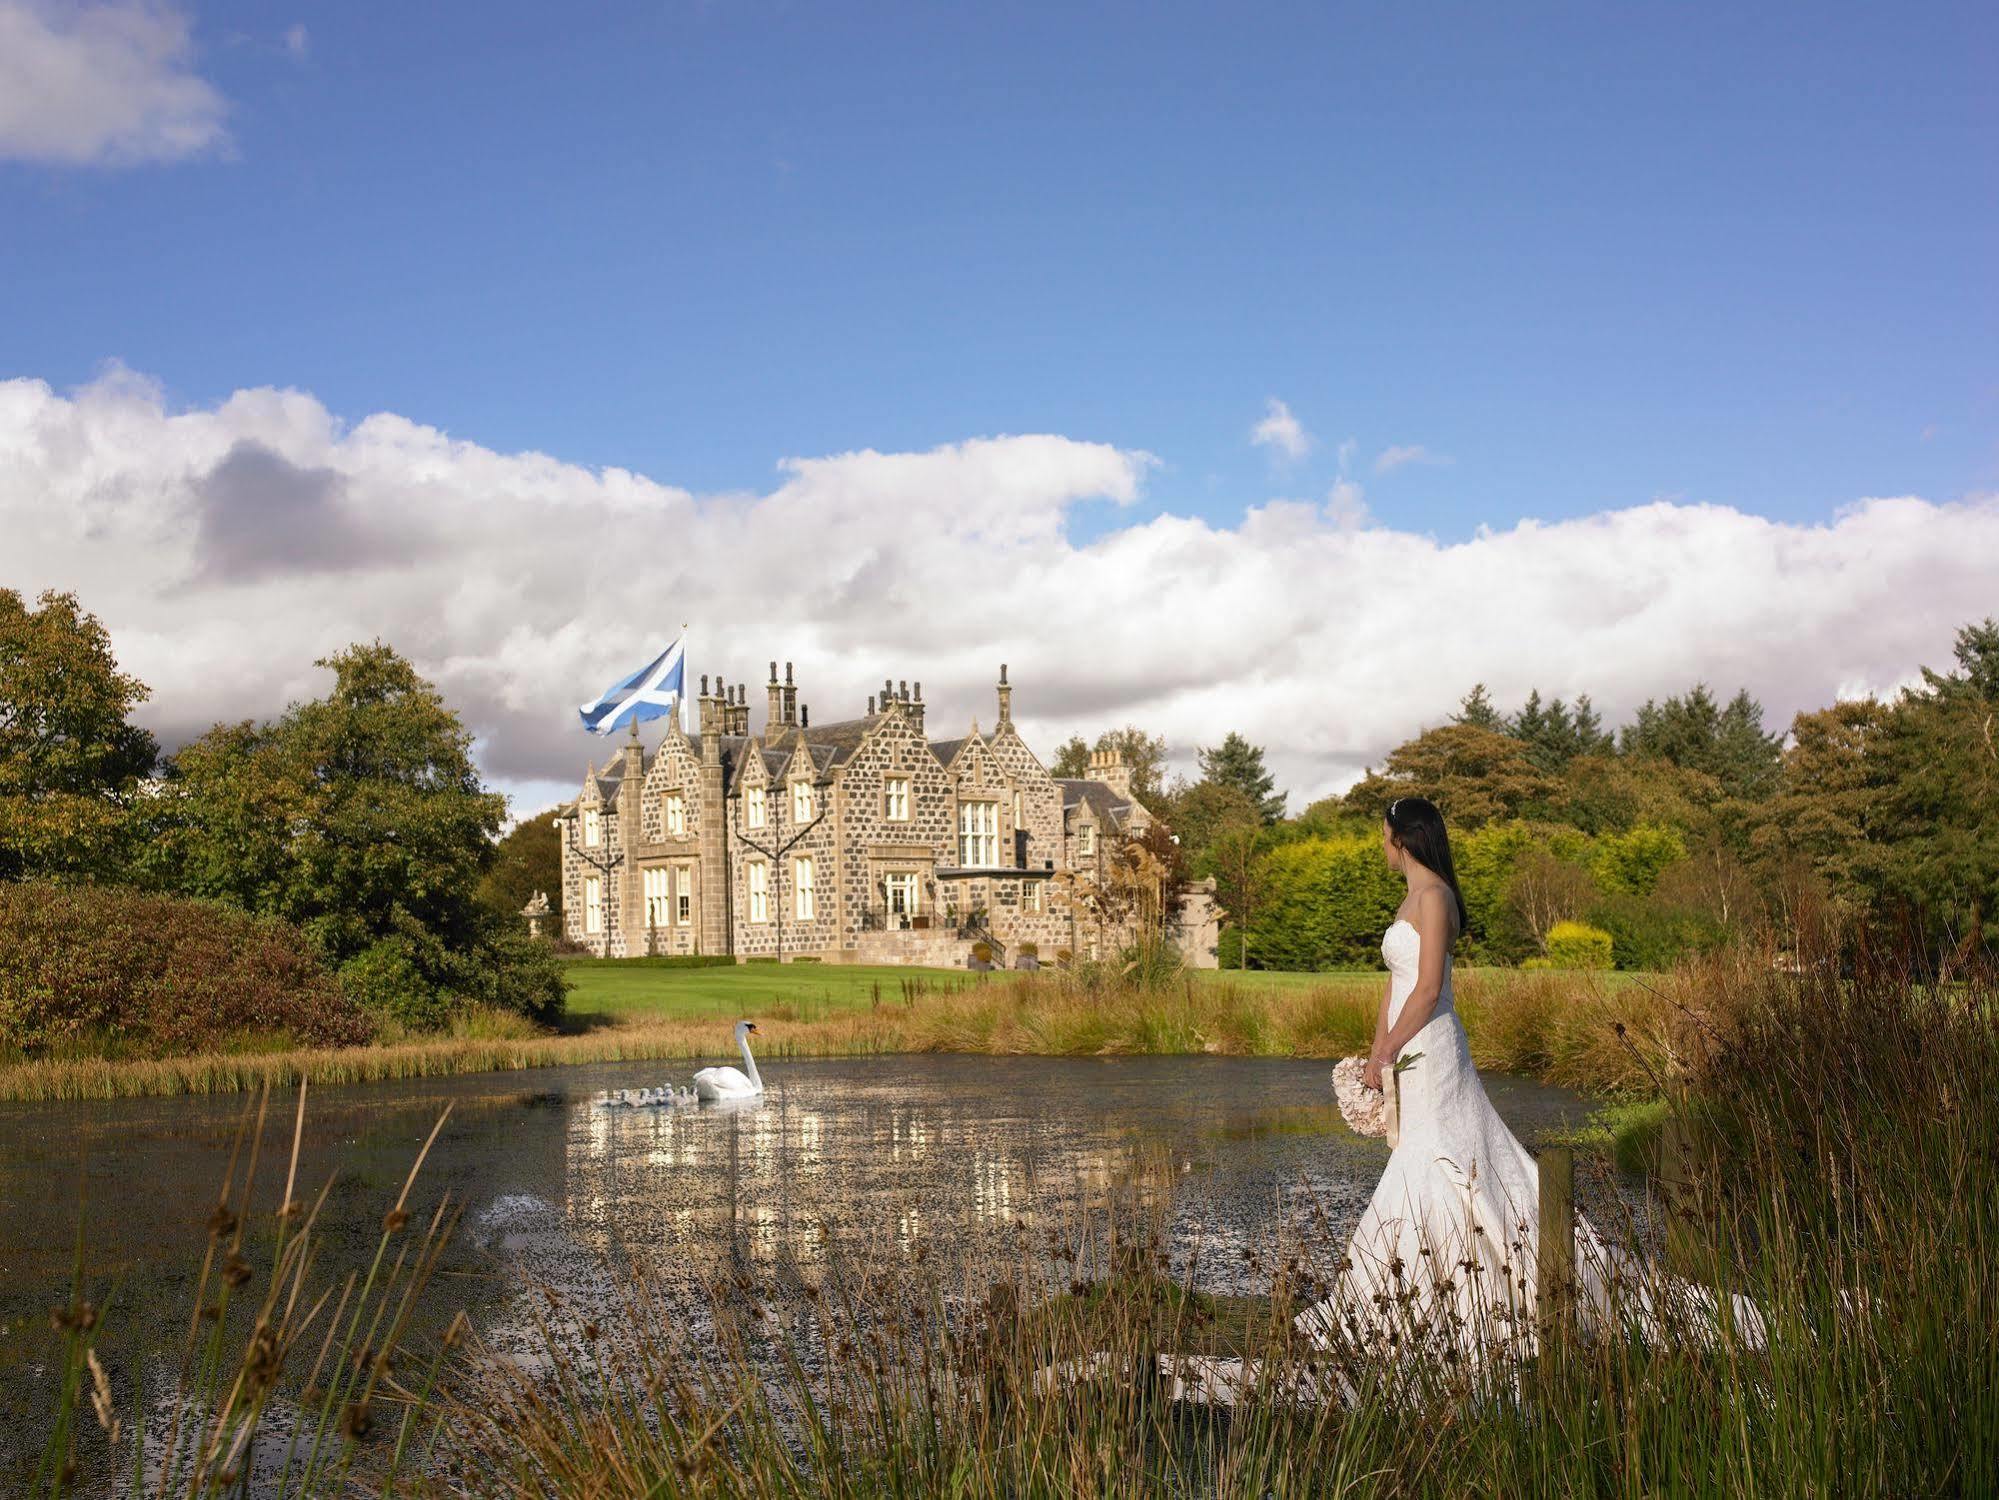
[732,1083]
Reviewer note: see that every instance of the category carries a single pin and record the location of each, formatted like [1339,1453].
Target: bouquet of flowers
[1370,1111]
[1364,1109]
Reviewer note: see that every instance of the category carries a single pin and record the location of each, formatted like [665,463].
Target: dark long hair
[1419,829]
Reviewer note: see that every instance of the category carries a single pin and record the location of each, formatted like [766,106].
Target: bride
[1448,1237]
[1447,1244]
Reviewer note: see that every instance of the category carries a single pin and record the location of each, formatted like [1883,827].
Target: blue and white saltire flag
[649,693]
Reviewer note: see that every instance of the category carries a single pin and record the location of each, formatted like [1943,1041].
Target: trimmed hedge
[112,968]
[653,961]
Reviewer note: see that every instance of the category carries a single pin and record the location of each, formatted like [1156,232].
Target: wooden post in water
[1676,1180]
[1555,1250]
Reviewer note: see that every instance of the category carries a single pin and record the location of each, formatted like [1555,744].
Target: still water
[894,1156]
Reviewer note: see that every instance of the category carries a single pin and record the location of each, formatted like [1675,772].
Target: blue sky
[1595,349]
[1591,255]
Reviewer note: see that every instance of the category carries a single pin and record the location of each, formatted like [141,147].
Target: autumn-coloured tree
[1474,775]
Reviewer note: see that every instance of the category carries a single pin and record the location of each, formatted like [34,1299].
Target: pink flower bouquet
[1364,1109]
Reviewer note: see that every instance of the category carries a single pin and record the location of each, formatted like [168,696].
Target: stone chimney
[1005,698]
[916,711]
[1108,767]
[773,708]
[742,708]
[790,697]
[711,723]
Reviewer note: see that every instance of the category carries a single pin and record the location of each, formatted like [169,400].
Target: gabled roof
[840,738]
[1107,804]
[946,751]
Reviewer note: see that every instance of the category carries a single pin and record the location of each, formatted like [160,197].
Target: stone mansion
[861,841]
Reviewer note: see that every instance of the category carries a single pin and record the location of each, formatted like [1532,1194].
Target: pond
[892,1155]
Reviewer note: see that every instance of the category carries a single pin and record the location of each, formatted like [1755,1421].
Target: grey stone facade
[917,847]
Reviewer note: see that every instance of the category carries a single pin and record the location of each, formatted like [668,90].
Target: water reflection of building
[805,1173]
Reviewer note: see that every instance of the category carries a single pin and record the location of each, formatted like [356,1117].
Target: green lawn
[632,989]
[797,992]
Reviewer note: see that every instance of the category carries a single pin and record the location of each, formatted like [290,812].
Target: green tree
[1477,709]
[527,860]
[1631,862]
[1555,734]
[1235,762]
[71,766]
[1323,904]
[1933,847]
[1072,759]
[1696,733]
[1144,757]
[1826,797]
[361,817]
[1201,812]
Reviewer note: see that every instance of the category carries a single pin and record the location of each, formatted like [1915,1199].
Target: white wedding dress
[1446,1248]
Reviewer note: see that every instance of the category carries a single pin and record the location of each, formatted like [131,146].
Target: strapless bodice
[1401,948]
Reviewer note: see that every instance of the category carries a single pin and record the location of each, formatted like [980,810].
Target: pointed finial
[787,673]
[1002,671]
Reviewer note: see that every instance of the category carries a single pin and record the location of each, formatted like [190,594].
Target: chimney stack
[773,707]
[711,722]
[916,709]
[1005,698]
[790,697]
[1108,767]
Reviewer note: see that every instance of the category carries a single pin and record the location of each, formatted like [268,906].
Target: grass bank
[1561,1028]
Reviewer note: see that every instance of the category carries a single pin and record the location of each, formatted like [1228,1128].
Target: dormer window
[753,807]
[1086,838]
[676,815]
[592,827]
[895,799]
[801,802]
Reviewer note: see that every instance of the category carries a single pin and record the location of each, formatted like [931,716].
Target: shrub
[387,979]
[1649,933]
[521,974]
[1028,950]
[1577,945]
[119,969]
[982,951]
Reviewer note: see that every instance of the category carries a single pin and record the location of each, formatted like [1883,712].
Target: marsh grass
[1576,1030]
[1832,1145]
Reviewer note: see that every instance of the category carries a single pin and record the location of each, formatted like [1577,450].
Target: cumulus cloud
[1281,431]
[1395,457]
[107,83]
[227,547]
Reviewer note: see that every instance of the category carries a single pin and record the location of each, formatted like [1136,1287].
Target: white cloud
[297,41]
[1410,453]
[1282,431]
[226,547]
[106,83]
